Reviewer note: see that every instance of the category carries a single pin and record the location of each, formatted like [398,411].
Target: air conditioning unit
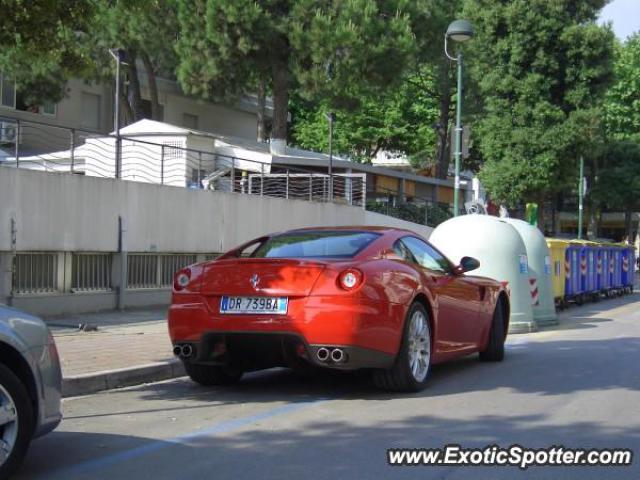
[8,132]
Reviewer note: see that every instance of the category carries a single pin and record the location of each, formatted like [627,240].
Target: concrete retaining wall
[65,212]
[55,212]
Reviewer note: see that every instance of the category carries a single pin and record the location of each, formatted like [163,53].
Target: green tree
[542,68]
[400,119]
[146,30]
[44,43]
[618,182]
[330,50]
[434,74]
[38,40]
[622,106]
[412,117]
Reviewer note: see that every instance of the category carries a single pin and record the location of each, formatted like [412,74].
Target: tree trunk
[442,152]
[628,225]
[262,99]
[134,95]
[280,98]
[153,87]
[126,113]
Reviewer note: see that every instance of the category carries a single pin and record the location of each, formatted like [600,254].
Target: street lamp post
[118,55]
[458,31]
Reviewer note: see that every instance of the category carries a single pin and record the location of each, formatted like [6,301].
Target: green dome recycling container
[502,255]
[540,272]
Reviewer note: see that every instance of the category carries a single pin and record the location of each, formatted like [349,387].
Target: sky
[625,15]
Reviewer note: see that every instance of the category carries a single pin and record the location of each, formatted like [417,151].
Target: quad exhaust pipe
[183,351]
[335,355]
[323,354]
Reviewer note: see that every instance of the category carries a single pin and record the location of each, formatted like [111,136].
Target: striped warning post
[533,287]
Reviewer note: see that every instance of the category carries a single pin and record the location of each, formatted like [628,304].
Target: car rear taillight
[181,279]
[350,279]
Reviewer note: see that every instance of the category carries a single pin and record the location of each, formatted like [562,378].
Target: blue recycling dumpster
[628,267]
[613,268]
[600,277]
[573,290]
[588,267]
[606,265]
[617,271]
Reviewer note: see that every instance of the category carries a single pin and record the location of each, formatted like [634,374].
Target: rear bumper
[318,320]
[368,332]
[254,351]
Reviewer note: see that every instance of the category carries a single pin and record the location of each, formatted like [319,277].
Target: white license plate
[239,305]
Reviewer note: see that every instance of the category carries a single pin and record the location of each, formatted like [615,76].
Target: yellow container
[558,249]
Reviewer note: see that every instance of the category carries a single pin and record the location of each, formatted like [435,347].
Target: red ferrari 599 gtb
[346,298]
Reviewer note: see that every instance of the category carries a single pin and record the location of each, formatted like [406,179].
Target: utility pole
[580,197]
[118,55]
[331,117]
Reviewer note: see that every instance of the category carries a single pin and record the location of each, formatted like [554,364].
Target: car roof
[354,228]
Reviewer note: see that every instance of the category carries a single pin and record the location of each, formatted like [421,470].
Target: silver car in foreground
[30,385]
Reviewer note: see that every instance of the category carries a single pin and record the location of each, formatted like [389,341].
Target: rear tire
[494,352]
[15,433]
[410,371]
[208,375]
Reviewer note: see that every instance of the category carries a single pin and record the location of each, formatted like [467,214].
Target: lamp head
[460,30]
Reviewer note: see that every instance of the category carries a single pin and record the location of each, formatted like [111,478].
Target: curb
[124,377]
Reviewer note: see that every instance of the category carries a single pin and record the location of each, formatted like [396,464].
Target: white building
[87,109]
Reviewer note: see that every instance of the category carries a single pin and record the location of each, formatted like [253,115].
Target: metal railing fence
[167,159]
[150,270]
[91,271]
[35,272]
[421,210]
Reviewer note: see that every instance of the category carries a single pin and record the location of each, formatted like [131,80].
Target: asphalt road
[577,385]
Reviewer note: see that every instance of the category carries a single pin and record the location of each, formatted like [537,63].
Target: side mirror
[390,254]
[467,264]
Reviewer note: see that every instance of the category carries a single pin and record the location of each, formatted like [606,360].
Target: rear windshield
[340,244]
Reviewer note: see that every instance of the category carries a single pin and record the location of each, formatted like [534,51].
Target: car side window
[427,256]
[403,252]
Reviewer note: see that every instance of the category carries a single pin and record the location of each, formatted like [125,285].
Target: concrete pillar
[65,271]
[6,276]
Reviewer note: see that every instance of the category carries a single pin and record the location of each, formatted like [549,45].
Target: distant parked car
[346,298]
[30,385]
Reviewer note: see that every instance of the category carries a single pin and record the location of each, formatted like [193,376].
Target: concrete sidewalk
[105,350]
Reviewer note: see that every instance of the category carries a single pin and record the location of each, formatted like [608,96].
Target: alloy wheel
[8,424]
[419,343]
